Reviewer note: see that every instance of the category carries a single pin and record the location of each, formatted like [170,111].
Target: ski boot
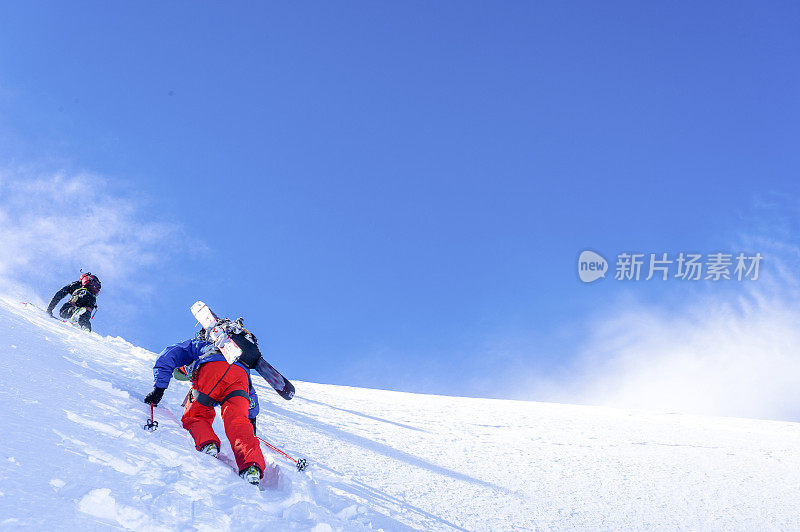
[251,474]
[210,448]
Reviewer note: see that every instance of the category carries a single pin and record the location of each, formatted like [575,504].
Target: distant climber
[82,302]
[214,382]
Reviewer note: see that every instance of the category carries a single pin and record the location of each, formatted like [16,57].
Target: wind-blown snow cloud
[51,226]
[711,358]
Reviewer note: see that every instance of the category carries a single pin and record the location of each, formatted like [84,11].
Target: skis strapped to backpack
[219,332]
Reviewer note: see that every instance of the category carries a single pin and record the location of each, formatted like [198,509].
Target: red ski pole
[300,464]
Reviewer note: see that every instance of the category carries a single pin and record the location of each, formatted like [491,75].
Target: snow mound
[74,455]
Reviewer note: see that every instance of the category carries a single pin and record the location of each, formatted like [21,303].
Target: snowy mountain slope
[74,455]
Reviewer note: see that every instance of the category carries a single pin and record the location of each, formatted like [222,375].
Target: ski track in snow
[75,456]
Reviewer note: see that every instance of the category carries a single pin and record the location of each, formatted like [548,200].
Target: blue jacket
[194,353]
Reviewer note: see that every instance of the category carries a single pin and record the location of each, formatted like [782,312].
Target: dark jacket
[79,297]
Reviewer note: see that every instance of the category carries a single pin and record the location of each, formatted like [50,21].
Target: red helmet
[91,283]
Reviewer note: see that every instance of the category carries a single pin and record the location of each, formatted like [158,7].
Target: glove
[253,421]
[155,396]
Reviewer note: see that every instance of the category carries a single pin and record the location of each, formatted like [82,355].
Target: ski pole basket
[151,424]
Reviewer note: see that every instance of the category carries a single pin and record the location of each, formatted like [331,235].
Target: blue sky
[395,194]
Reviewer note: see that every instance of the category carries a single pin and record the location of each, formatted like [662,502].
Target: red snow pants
[217,379]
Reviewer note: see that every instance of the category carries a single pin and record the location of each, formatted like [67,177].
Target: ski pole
[151,423]
[301,464]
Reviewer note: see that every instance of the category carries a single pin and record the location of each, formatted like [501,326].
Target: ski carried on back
[218,332]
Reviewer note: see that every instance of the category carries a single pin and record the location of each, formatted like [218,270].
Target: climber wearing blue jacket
[214,383]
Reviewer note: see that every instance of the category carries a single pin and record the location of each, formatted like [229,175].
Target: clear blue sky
[394,194]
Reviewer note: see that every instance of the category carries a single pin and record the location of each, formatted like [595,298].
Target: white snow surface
[73,455]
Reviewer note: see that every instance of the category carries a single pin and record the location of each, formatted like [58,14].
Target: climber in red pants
[214,382]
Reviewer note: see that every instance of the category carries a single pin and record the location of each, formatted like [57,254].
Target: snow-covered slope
[73,455]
